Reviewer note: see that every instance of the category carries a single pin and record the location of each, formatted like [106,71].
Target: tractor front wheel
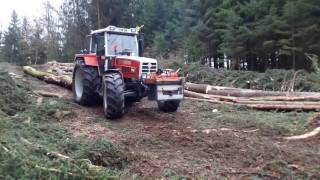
[169,106]
[84,83]
[113,96]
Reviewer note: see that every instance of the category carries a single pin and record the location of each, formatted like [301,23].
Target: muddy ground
[200,141]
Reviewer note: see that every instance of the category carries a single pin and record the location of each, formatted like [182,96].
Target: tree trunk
[204,88]
[64,81]
[284,98]
[285,107]
[244,93]
[206,96]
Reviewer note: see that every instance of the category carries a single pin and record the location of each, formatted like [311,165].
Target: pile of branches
[255,99]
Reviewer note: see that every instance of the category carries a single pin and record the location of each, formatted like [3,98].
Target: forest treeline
[260,34]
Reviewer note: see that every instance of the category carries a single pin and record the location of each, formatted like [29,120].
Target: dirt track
[183,145]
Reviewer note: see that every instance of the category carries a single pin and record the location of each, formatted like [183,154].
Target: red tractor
[115,70]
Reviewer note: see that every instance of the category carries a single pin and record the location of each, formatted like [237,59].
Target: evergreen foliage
[263,34]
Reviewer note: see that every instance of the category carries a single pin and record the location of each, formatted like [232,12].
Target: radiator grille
[149,67]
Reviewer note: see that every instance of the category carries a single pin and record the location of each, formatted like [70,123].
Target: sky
[29,8]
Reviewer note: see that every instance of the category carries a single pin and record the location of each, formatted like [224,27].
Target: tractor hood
[146,65]
[139,59]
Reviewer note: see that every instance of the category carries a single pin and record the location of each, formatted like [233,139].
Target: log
[286,107]
[260,93]
[245,93]
[209,100]
[199,88]
[239,92]
[207,96]
[64,81]
[204,88]
[284,98]
[196,95]
[301,103]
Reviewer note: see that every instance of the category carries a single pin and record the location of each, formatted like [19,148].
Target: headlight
[133,69]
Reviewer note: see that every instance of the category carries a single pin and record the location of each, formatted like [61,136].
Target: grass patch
[268,123]
[33,131]
[281,168]
[172,175]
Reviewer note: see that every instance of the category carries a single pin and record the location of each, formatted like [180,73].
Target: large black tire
[113,96]
[84,84]
[169,106]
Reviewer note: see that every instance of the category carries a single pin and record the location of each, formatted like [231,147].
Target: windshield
[121,44]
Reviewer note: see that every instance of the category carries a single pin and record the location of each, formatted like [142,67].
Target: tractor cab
[113,41]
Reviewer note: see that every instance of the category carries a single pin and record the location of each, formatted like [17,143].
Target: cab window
[98,44]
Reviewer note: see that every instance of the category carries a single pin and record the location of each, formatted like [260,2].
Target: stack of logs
[256,99]
[60,68]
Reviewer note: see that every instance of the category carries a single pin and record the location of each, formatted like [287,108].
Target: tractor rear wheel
[113,96]
[84,83]
[169,106]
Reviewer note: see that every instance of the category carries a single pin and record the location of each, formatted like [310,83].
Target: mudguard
[89,59]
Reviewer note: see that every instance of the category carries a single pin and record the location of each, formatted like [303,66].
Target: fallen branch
[59,156]
[209,131]
[311,134]
[88,163]
[4,148]
[47,94]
